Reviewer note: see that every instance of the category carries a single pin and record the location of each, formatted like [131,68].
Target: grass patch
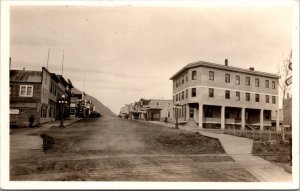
[190,143]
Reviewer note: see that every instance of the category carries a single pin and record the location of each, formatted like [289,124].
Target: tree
[285,73]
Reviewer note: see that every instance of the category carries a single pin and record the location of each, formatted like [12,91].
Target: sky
[124,53]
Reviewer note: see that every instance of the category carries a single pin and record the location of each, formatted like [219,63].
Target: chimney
[226,62]
[251,68]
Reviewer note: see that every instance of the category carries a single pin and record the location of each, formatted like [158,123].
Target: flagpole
[48,57]
[62,64]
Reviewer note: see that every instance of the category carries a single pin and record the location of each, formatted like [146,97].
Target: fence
[258,135]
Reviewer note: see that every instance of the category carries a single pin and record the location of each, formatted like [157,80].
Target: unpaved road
[112,149]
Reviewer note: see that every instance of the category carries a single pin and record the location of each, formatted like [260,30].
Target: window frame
[237,80]
[246,81]
[273,100]
[238,96]
[211,92]
[193,93]
[273,85]
[227,92]
[256,82]
[227,78]
[211,75]
[26,91]
[194,75]
[257,98]
[248,95]
[267,84]
[267,97]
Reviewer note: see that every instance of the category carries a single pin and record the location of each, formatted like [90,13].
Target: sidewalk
[240,149]
[43,127]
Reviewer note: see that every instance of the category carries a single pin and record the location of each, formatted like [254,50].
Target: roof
[25,76]
[223,67]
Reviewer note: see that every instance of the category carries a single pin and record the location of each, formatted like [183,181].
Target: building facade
[35,94]
[220,96]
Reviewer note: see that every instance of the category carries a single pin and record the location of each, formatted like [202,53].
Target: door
[191,113]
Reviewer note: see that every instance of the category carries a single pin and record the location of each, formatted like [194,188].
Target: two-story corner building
[36,94]
[165,108]
[218,96]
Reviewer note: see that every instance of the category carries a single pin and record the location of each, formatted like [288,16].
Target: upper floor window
[26,91]
[267,83]
[227,94]
[186,77]
[176,83]
[176,97]
[248,81]
[193,92]
[273,99]
[182,80]
[247,96]
[227,78]
[273,84]
[211,92]
[256,82]
[267,99]
[238,96]
[211,75]
[257,97]
[186,93]
[182,95]
[237,80]
[194,75]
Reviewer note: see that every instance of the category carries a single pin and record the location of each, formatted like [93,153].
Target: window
[211,92]
[273,84]
[257,97]
[248,81]
[237,80]
[211,75]
[182,95]
[227,78]
[194,75]
[26,90]
[186,93]
[267,99]
[256,82]
[273,100]
[238,96]
[173,99]
[247,96]
[267,84]
[176,83]
[176,97]
[193,92]
[182,80]
[186,77]
[227,94]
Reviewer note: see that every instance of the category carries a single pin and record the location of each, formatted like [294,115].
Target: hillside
[100,107]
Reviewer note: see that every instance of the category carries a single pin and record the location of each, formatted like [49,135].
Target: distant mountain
[101,108]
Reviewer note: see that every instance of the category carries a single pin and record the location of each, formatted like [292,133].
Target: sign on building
[14,111]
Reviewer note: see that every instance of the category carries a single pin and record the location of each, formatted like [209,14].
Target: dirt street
[113,149]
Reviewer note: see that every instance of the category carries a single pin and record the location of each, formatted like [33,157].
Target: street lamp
[176,106]
[62,103]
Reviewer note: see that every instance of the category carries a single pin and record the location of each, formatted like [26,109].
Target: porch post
[277,120]
[200,115]
[222,117]
[261,119]
[187,112]
[243,118]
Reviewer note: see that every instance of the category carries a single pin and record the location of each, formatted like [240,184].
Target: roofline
[220,66]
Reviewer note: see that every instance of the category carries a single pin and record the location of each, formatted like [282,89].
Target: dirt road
[113,149]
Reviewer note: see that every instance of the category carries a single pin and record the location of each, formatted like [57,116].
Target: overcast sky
[130,52]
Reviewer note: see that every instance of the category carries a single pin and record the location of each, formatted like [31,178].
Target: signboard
[14,111]
[288,81]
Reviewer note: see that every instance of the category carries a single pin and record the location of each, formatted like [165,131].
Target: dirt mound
[191,143]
